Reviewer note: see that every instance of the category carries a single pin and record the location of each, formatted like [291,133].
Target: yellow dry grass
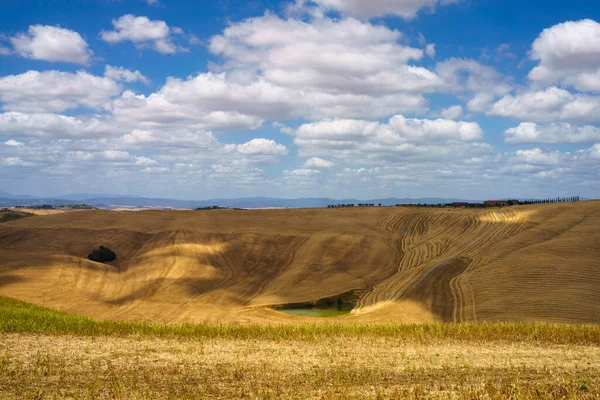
[40,366]
[528,263]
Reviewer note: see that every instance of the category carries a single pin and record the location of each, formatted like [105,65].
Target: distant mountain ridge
[113,201]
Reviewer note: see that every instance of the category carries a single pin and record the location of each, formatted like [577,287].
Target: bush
[102,255]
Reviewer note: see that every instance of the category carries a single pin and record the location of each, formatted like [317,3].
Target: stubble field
[527,263]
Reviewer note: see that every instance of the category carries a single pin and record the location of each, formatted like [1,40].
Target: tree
[102,255]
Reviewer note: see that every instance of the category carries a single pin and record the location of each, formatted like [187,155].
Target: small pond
[334,306]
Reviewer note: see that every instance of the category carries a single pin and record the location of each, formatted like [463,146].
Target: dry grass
[39,366]
[49,354]
[531,263]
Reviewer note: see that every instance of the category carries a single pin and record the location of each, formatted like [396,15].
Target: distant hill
[250,202]
[86,196]
[6,195]
[113,201]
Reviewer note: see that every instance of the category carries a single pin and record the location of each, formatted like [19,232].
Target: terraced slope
[535,263]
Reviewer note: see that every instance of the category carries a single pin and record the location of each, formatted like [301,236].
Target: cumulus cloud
[530,132]
[398,130]
[143,32]
[462,74]
[15,162]
[569,55]
[215,101]
[452,112]
[549,105]
[52,91]
[13,143]
[538,156]
[401,139]
[317,162]
[260,146]
[169,138]
[203,102]
[48,125]
[121,74]
[51,43]
[354,57]
[406,9]
[302,172]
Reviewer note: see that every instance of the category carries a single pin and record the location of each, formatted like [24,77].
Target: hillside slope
[534,263]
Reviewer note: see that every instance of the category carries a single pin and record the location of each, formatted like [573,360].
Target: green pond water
[315,312]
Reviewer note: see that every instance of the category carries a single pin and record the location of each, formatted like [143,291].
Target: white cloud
[48,125]
[406,9]
[538,156]
[302,172]
[146,161]
[430,50]
[400,140]
[214,101]
[260,146]
[462,75]
[398,130]
[51,91]
[4,51]
[317,162]
[452,112]
[115,155]
[164,138]
[203,102]
[15,162]
[529,132]
[143,32]
[51,43]
[12,142]
[569,55]
[120,74]
[594,151]
[354,57]
[549,105]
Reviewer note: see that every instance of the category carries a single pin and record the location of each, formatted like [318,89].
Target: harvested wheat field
[525,263]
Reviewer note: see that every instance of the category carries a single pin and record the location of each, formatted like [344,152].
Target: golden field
[40,366]
[525,263]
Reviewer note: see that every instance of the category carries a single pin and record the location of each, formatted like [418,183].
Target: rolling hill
[526,263]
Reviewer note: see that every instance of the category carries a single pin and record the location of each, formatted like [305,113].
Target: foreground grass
[50,354]
[38,366]
[21,317]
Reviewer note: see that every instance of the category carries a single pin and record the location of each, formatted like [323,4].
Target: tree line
[551,200]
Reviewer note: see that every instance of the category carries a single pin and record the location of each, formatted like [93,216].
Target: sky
[472,99]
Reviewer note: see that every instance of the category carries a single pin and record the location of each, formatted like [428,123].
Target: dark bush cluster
[103,255]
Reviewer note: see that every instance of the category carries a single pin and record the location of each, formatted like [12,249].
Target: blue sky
[337,98]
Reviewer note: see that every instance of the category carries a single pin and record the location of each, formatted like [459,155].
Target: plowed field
[526,263]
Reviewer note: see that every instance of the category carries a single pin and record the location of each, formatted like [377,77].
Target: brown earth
[526,263]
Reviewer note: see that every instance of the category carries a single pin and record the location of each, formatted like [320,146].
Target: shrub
[102,255]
